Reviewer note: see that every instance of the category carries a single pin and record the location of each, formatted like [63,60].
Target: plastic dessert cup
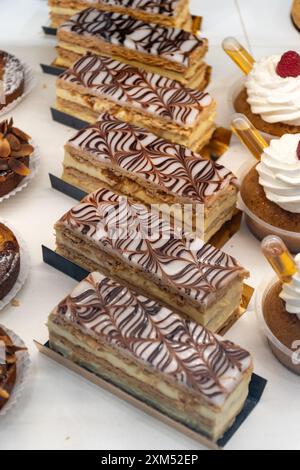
[290,358]
[261,229]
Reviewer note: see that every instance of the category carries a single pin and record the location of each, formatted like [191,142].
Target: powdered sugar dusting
[13,74]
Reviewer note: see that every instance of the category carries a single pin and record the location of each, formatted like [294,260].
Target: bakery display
[96,84]
[134,162]
[173,364]
[296,14]
[12,78]
[9,260]
[270,98]
[8,363]
[279,304]
[15,152]
[173,53]
[136,245]
[171,13]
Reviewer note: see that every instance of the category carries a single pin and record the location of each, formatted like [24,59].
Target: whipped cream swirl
[279,172]
[291,292]
[274,98]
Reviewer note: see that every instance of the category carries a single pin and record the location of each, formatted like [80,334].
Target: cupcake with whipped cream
[271,191]
[271,97]
[281,313]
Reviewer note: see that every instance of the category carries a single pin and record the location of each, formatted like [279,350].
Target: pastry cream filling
[89,256]
[190,408]
[89,175]
[89,108]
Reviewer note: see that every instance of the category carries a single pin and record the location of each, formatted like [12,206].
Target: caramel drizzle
[184,351]
[138,152]
[145,241]
[136,88]
[152,39]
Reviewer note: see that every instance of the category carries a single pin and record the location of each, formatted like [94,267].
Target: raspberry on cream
[275,98]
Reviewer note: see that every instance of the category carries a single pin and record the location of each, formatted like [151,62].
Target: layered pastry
[137,246]
[271,190]
[9,260]
[171,52]
[96,84]
[296,14]
[271,98]
[171,13]
[12,78]
[8,364]
[281,312]
[15,152]
[133,161]
[149,351]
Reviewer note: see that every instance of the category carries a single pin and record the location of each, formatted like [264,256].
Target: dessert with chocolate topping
[137,246]
[12,78]
[271,99]
[271,192]
[173,13]
[96,84]
[296,14]
[15,152]
[9,260]
[8,365]
[170,52]
[134,162]
[149,351]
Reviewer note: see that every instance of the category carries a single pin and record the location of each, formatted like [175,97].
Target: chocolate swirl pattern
[172,44]
[157,7]
[135,88]
[182,350]
[138,152]
[142,239]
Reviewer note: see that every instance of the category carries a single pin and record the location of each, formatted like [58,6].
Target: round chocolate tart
[278,129]
[9,260]
[15,151]
[12,78]
[253,196]
[284,326]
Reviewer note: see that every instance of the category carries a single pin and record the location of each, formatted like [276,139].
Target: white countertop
[59,410]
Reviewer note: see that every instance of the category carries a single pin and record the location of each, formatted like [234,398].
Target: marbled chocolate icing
[145,241]
[120,30]
[12,73]
[154,7]
[134,151]
[135,88]
[185,352]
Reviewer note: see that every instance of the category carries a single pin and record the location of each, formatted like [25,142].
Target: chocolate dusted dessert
[172,53]
[167,361]
[9,260]
[8,365]
[12,78]
[174,13]
[15,152]
[97,84]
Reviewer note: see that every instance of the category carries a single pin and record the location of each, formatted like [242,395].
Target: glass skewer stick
[240,56]
[279,258]
[248,135]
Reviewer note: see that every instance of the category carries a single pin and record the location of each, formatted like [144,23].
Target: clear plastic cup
[290,358]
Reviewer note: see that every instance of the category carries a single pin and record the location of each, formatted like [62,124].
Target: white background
[60,410]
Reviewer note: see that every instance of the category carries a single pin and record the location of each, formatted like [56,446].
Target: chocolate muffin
[9,260]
